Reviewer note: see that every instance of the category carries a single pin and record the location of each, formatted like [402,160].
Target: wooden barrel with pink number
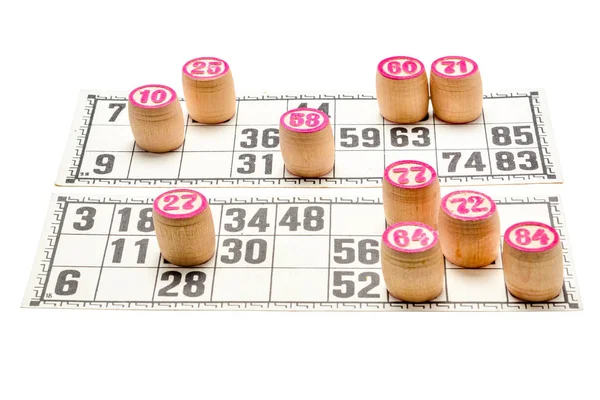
[469,227]
[412,262]
[208,90]
[533,261]
[306,142]
[402,89]
[456,89]
[184,227]
[411,192]
[156,118]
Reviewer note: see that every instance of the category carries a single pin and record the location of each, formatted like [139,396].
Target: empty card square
[145,165]
[248,284]
[301,252]
[290,284]
[476,285]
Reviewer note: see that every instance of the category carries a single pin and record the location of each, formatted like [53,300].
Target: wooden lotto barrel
[412,262]
[411,192]
[533,261]
[469,228]
[306,142]
[184,227]
[456,89]
[156,118]
[402,89]
[208,90]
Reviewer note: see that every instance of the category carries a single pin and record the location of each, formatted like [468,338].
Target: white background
[51,49]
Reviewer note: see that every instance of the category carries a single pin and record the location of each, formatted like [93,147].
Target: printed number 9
[107,161]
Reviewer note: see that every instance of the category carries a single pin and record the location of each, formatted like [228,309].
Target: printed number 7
[119,107]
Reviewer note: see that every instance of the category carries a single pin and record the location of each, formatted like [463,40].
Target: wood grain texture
[186,242]
[533,276]
[411,204]
[157,130]
[470,244]
[210,101]
[309,155]
[403,101]
[457,100]
[413,277]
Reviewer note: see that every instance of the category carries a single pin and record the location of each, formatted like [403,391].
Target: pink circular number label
[204,68]
[531,236]
[410,174]
[400,67]
[410,237]
[152,96]
[180,203]
[468,205]
[454,67]
[304,120]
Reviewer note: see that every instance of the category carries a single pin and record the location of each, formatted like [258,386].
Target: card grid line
[332,303]
[160,258]
[537,134]
[237,112]
[105,251]
[212,286]
[334,145]
[273,255]
[393,125]
[337,150]
[131,159]
[187,121]
[329,253]
[486,139]
[533,200]
[435,148]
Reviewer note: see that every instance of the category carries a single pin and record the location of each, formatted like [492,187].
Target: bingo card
[316,252]
[511,143]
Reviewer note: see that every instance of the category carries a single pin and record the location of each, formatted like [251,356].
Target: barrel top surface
[304,120]
[468,205]
[531,236]
[454,67]
[410,237]
[205,68]
[152,96]
[400,67]
[180,204]
[410,174]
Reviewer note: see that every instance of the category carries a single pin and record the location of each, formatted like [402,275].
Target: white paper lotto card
[511,143]
[319,252]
